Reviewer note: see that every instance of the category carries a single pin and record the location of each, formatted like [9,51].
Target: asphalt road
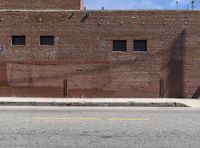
[99,127]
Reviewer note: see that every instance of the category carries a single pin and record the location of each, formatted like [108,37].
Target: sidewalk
[137,102]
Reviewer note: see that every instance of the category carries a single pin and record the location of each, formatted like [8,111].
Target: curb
[97,104]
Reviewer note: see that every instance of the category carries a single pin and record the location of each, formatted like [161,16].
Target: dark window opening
[46,40]
[18,40]
[140,45]
[119,45]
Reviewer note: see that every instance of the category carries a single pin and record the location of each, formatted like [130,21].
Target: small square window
[140,45]
[46,40]
[18,40]
[119,45]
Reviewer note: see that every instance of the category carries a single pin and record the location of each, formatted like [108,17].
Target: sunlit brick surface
[83,54]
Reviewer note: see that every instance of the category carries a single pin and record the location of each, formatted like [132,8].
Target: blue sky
[138,4]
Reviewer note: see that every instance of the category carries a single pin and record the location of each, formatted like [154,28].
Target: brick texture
[83,54]
[41,4]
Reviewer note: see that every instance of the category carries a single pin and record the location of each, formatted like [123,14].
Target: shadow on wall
[3,75]
[196,95]
[175,67]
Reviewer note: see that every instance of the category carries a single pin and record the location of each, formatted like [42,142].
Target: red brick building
[100,53]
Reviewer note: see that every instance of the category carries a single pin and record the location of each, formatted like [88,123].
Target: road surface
[99,127]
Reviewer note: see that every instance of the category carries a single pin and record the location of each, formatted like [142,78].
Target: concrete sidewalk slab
[137,102]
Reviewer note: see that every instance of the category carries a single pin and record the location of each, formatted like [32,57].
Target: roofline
[97,10]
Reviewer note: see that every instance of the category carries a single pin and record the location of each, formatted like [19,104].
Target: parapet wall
[42,4]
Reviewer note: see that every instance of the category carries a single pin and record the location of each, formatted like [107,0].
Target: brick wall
[41,4]
[83,53]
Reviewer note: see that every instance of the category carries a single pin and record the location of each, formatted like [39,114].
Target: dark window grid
[119,45]
[46,40]
[18,40]
[140,45]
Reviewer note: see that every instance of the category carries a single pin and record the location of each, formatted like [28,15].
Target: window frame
[47,36]
[13,43]
[141,41]
[113,46]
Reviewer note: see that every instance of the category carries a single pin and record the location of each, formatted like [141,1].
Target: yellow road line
[87,119]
